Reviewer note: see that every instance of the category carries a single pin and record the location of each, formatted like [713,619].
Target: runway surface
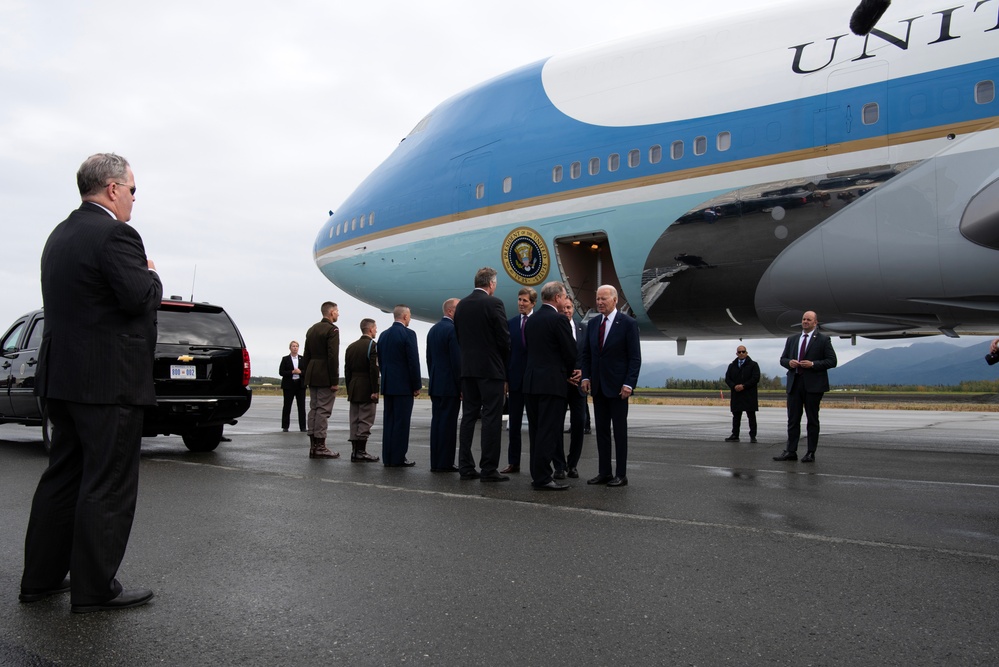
[884,552]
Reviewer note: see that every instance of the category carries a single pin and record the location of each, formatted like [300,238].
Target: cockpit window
[422,125]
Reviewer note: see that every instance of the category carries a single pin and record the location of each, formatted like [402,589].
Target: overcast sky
[246,122]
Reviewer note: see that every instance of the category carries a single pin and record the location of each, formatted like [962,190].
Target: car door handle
[32,361]
[6,365]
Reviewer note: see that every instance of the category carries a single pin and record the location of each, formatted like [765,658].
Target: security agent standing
[444,367]
[808,357]
[292,387]
[743,377]
[401,383]
[95,371]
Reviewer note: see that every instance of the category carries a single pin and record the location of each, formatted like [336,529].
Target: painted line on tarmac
[811,537]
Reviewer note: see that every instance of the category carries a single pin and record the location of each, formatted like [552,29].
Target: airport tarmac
[884,552]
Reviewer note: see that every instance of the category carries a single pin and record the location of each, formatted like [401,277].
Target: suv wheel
[203,439]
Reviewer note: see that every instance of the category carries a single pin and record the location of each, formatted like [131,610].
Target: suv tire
[203,439]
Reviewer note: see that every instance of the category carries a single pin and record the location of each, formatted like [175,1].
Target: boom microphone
[866,15]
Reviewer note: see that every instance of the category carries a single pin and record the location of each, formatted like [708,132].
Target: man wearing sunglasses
[95,373]
[742,377]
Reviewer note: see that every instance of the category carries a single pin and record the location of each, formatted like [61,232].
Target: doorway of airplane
[586,262]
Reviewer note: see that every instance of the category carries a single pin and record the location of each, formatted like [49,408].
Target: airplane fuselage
[725,178]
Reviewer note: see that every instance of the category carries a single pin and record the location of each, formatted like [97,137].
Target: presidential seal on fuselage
[525,256]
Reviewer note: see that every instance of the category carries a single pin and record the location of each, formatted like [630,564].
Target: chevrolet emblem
[185,357]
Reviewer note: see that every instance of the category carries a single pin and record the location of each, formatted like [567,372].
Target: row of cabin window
[870,114]
[351,225]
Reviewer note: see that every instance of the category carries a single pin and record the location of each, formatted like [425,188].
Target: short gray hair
[99,170]
[484,276]
[552,290]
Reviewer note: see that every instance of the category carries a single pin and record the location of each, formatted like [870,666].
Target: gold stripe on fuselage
[882,141]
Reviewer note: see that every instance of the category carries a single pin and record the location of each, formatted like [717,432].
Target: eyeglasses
[131,189]
[740,352]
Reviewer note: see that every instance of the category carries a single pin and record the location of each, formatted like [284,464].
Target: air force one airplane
[724,177]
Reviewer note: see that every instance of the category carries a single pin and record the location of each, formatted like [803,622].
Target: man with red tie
[610,362]
[807,357]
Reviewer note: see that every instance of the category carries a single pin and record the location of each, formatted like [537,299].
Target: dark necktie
[740,363]
[801,352]
[603,327]
[523,325]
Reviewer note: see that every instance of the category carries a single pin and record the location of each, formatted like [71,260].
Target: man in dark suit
[527,297]
[95,373]
[484,336]
[401,383]
[292,387]
[579,409]
[610,364]
[444,366]
[551,362]
[807,356]
[360,374]
[322,377]
[742,377]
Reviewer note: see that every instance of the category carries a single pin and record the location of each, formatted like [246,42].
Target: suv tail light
[246,367]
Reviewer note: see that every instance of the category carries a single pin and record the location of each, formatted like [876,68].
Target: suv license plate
[183,372]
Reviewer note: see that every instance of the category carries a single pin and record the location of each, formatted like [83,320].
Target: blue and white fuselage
[725,178]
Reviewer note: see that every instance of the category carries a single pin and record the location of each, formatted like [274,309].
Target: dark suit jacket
[749,377]
[551,353]
[400,361]
[620,360]
[484,336]
[444,359]
[820,351]
[285,370]
[518,355]
[360,370]
[321,356]
[100,303]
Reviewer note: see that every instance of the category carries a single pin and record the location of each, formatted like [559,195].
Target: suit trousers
[737,422]
[545,414]
[443,431]
[799,400]
[396,419]
[297,394]
[362,418]
[481,398]
[608,412]
[82,511]
[578,411]
[320,408]
[516,422]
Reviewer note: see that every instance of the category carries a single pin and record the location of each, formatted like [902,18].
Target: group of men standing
[540,361]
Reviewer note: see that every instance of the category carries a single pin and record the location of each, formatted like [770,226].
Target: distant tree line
[766,382]
[777,382]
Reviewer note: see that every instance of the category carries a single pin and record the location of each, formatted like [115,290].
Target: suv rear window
[195,327]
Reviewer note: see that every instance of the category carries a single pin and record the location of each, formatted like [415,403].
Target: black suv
[201,372]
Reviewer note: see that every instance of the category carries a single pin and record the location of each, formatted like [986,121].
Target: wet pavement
[886,551]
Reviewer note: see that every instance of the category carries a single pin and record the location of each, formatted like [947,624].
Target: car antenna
[192,282]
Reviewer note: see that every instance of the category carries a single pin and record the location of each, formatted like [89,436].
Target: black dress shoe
[600,479]
[573,473]
[448,469]
[618,481]
[559,474]
[495,477]
[752,440]
[786,456]
[586,431]
[550,486]
[36,595]
[406,463]
[470,475]
[284,430]
[510,468]
[732,438]
[809,457]
[125,599]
